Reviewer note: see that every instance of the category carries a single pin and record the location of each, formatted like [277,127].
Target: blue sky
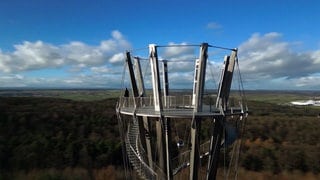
[80,43]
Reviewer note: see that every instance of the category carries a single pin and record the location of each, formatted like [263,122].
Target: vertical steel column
[155,77]
[165,82]
[215,146]
[157,105]
[167,121]
[196,121]
[146,123]
[201,77]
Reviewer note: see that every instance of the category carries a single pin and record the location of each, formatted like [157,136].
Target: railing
[136,157]
[184,158]
[169,102]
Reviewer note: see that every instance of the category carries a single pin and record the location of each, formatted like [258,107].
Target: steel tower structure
[146,121]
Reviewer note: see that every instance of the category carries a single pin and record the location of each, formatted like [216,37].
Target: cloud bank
[38,55]
[266,62]
[84,64]
[267,59]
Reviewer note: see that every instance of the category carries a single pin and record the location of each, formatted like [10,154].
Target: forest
[61,138]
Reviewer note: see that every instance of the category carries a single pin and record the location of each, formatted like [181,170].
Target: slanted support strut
[135,92]
[221,103]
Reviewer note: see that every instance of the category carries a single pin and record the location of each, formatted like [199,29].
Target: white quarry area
[306,103]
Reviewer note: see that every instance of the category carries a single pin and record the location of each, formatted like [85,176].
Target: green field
[280,97]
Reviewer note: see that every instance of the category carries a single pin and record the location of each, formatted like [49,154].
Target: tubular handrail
[135,157]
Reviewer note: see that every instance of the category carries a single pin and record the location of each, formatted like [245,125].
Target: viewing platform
[175,107]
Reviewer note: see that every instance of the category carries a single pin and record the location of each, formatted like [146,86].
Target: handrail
[184,101]
[136,159]
[204,149]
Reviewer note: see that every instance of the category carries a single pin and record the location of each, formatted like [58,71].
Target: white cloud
[312,81]
[78,52]
[264,58]
[213,25]
[117,58]
[102,69]
[40,55]
[316,56]
[4,60]
[116,43]
[29,56]
[73,81]
[84,65]
[178,52]
[117,35]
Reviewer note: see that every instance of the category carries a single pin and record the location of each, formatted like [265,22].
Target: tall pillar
[197,100]
[167,121]
[157,106]
[155,77]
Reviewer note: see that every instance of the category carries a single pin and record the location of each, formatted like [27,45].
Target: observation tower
[180,133]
